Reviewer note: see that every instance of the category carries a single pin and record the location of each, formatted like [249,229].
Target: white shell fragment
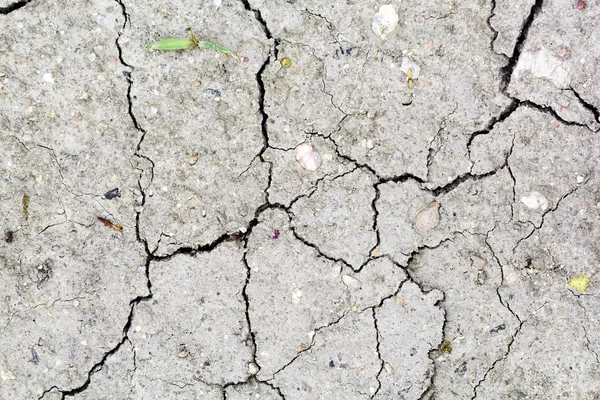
[535,200]
[408,63]
[308,157]
[428,218]
[385,21]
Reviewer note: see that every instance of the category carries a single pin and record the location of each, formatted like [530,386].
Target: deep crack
[508,69]
[13,7]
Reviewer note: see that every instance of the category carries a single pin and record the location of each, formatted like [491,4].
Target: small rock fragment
[111,194]
[581,5]
[535,200]
[192,160]
[296,296]
[48,78]
[308,157]
[579,179]
[385,21]
[428,218]
[253,368]
[183,354]
[350,281]
[389,370]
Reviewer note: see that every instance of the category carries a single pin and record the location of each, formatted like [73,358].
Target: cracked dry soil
[428,257]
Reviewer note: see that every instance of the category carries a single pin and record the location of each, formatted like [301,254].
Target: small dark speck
[349,51]
[34,355]
[498,328]
[331,364]
[126,73]
[9,236]
[454,214]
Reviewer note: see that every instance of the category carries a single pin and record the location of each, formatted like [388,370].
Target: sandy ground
[378,200]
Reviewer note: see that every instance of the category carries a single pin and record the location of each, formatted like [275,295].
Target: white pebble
[428,218]
[535,200]
[350,281]
[385,21]
[370,144]
[308,157]
[296,296]
[48,78]
[252,368]
[579,179]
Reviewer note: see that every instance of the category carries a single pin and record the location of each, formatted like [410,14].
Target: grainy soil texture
[308,200]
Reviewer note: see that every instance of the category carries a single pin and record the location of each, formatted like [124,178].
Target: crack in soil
[13,7]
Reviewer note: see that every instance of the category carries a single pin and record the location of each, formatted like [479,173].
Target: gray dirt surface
[379,200]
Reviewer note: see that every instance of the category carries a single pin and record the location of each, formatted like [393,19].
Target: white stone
[252,368]
[428,218]
[543,64]
[296,296]
[385,21]
[350,281]
[535,200]
[48,78]
[308,157]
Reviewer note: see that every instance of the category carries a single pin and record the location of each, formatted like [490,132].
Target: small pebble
[183,354]
[388,369]
[111,194]
[428,218]
[308,157]
[196,83]
[535,200]
[579,179]
[370,144]
[350,281]
[243,229]
[385,21]
[581,5]
[193,160]
[253,368]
